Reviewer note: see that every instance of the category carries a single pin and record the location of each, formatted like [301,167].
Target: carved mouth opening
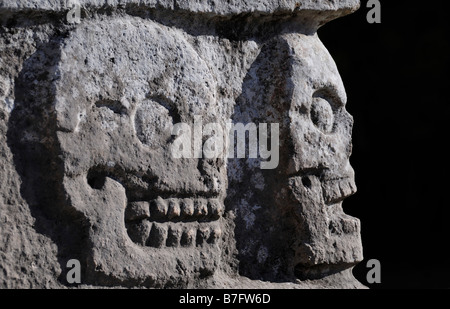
[174,222]
[338,189]
[334,188]
[163,219]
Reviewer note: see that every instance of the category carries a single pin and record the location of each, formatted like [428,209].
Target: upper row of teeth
[175,209]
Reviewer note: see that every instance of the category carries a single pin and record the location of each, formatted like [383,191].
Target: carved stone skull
[89,112]
[153,220]
[290,219]
[156,220]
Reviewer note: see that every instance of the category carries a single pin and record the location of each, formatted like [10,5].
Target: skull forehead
[128,60]
[121,79]
[313,68]
[122,82]
[321,134]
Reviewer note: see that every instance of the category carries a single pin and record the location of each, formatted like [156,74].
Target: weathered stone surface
[219,7]
[87,113]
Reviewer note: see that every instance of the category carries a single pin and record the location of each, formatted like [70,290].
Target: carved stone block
[88,112]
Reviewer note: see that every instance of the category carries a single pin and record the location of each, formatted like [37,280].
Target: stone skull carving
[144,204]
[151,217]
[114,88]
[297,207]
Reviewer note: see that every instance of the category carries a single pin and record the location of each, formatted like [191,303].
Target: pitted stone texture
[28,256]
[215,7]
[88,111]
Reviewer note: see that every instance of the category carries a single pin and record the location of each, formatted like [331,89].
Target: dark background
[397,79]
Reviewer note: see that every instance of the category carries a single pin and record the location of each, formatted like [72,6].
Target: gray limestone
[214,7]
[87,113]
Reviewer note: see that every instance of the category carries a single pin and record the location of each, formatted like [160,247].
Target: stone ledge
[214,7]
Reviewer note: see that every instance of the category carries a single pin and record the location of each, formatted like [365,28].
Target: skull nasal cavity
[306,182]
[96,179]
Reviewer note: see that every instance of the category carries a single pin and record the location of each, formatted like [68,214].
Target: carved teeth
[209,233]
[187,207]
[158,209]
[137,211]
[200,207]
[159,235]
[215,208]
[176,209]
[335,191]
[174,222]
[203,233]
[139,232]
[188,237]
[174,236]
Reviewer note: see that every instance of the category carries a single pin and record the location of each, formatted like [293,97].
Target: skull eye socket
[322,115]
[153,123]
[325,105]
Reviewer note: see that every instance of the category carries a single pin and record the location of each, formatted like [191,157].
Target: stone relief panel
[91,131]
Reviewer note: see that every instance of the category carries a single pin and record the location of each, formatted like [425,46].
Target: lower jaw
[174,234]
